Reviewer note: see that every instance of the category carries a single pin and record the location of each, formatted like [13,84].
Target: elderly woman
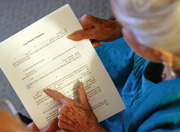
[147,77]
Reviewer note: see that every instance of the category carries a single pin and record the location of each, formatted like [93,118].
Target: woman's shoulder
[139,66]
[117,58]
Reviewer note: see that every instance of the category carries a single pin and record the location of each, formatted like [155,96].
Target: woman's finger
[53,127]
[83,34]
[69,111]
[32,126]
[56,95]
[96,44]
[65,119]
[86,21]
[82,96]
[66,126]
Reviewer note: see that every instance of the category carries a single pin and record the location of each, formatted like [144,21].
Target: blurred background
[18,14]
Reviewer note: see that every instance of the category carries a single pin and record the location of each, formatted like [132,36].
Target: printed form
[40,56]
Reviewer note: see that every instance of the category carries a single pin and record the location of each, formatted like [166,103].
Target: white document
[41,56]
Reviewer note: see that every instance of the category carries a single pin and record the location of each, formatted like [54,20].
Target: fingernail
[69,37]
[100,44]
[46,90]
[95,45]
[81,84]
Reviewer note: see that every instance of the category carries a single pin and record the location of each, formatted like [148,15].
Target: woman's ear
[165,56]
[171,59]
[140,49]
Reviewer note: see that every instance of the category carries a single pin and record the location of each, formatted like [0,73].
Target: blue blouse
[149,106]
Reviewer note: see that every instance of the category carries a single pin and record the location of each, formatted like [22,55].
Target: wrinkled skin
[73,116]
[96,30]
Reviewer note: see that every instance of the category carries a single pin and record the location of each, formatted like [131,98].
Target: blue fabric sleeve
[117,58]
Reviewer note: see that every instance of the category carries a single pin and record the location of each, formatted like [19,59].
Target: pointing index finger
[55,95]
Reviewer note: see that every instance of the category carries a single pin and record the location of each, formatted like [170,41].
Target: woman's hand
[73,116]
[96,30]
[53,127]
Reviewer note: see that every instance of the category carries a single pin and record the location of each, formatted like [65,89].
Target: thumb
[96,44]
[82,34]
[53,127]
[82,96]
[32,126]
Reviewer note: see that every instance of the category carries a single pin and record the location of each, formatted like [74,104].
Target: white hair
[154,23]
